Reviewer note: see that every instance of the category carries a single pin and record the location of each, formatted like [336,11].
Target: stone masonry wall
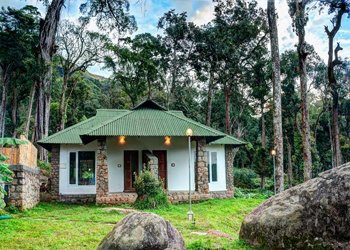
[78,198]
[101,172]
[24,191]
[54,179]
[178,197]
[201,175]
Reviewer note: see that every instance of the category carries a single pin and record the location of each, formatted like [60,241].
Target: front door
[162,165]
[131,166]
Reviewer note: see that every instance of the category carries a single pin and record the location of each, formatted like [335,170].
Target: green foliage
[150,193]
[244,178]
[12,209]
[45,166]
[252,193]
[5,177]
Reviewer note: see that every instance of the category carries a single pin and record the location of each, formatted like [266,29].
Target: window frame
[77,168]
[210,166]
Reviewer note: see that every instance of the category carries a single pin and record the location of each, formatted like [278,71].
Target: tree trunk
[30,109]
[227,109]
[262,181]
[336,152]
[263,143]
[290,164]
[300,8]
[263,126]
[14,110]
[210,97]
[3,103]
[277,109]
[61,110]
[47,48]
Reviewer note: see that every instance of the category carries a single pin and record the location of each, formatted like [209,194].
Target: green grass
[63,226]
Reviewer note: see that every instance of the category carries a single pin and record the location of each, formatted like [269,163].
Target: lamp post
[189,133]
[273,153]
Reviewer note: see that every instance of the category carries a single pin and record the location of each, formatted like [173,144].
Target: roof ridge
[197,123]
[114,109]
[107,122]
[66,129]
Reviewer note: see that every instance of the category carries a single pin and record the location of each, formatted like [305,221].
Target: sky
[148,12]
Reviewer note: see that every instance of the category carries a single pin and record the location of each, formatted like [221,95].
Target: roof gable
[149,104]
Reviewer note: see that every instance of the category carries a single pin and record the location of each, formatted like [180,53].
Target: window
[214,166]
[72,168]
[208,166]
[82,170]
[86,168]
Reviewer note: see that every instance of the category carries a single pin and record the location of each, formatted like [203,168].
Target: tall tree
[241,29]
[277,109]
[338,8]
[78,48]
[47,40]
[297,10]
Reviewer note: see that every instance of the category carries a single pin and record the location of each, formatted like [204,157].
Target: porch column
[229,167]
[201,175]
[101,171]
[55,174]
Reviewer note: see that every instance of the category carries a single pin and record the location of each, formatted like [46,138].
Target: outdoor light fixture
[122,140]
[273,153]
[167,140]
[190,215]
[189,132]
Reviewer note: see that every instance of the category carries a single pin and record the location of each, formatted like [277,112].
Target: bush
[252,193]
[5,177]
[245,178]
[150,193]
[43,165]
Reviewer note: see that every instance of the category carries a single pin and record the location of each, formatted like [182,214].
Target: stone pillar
[229,167]
[102,171]
[25,187]
[201,170]
[55,174]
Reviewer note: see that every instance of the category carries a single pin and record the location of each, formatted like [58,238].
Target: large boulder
[315,214]
[143,231]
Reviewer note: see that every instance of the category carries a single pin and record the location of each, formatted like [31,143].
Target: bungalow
[95,160]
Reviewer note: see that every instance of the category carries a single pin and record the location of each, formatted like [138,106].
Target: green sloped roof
[150,122]
[148,119]
[72,134]
[228,140]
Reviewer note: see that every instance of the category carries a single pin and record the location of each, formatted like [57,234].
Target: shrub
[43,165]
[5,176]
[150,193]
[252,193]
[245,178]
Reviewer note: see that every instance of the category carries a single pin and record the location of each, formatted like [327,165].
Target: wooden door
[131,166]
[162,166]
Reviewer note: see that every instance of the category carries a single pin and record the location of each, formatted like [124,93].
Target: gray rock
[313,215]
[143,231]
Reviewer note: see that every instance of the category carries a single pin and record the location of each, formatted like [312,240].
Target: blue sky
[148,12]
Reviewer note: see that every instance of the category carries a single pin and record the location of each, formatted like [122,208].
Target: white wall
[177,153]
[65,187]
[220,184]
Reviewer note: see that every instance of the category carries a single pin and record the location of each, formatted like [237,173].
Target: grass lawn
[63,226]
